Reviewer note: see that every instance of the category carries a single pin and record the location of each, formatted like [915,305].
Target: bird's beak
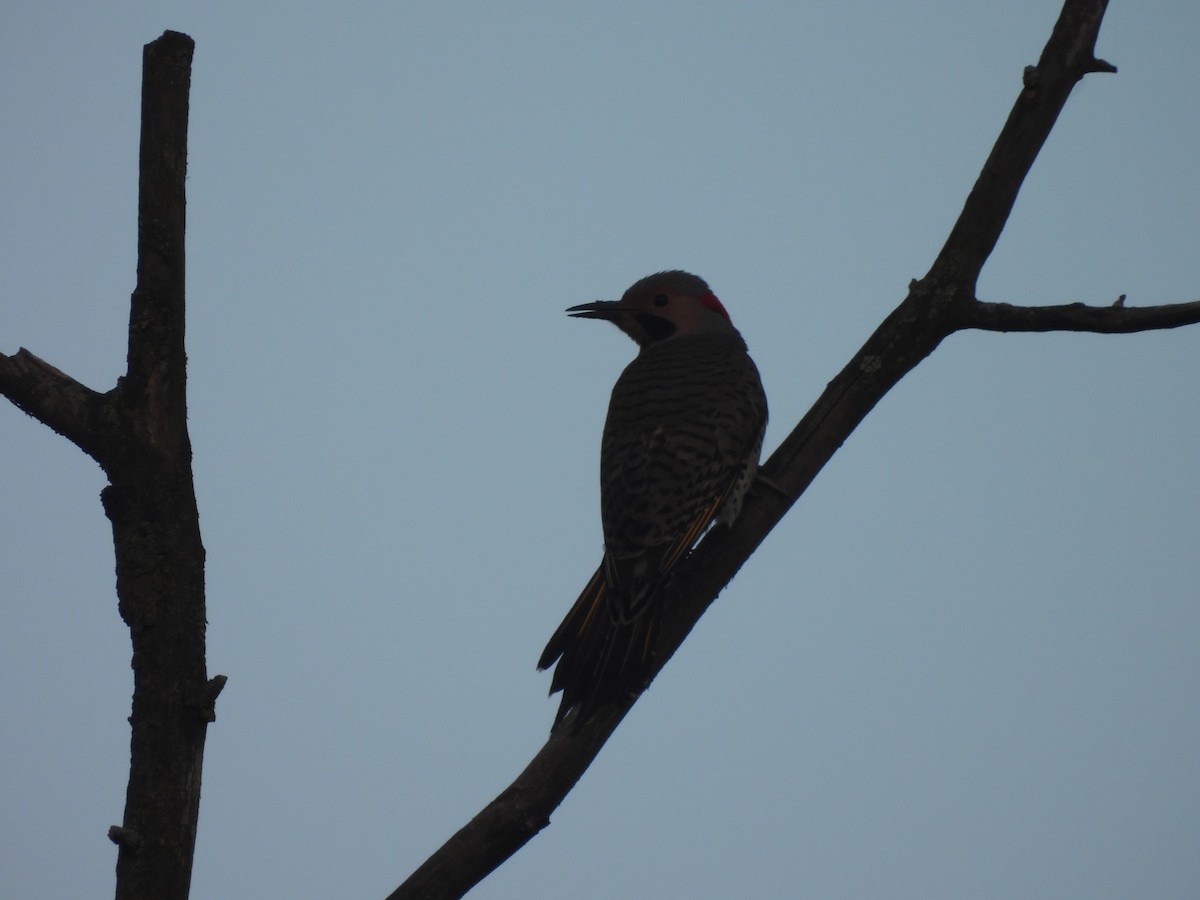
[600,309]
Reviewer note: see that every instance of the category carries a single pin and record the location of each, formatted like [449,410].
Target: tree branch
[152,505]
[936,306]
[138,434]
[1066,58]
[1115,319]
[54,398]
[520,811]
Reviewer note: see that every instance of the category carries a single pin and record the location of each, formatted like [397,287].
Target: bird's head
[661,306]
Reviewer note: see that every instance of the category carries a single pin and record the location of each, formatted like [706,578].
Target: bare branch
[1115,319]
[151,503]
[138,434]
[1066,58]
[506,824]
[54,398]
[157,362]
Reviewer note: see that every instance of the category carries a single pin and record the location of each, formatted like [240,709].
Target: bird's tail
[599,658]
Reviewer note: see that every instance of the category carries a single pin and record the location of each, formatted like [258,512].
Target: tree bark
[152,505]
[137,432]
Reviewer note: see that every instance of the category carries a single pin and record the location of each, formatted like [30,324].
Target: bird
[680,449]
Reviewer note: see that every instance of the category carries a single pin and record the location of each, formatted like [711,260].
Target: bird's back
[684,417]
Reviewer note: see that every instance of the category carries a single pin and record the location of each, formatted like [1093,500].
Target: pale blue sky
[966,663]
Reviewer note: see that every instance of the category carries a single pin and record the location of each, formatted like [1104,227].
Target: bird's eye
[660,300]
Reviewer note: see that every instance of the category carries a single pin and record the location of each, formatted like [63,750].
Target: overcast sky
[966,663]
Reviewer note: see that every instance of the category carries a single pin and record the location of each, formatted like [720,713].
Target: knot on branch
[125,838]
[204,702]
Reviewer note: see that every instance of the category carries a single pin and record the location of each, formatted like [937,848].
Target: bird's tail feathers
[599,659]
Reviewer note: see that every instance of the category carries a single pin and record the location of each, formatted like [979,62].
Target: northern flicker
[680,447]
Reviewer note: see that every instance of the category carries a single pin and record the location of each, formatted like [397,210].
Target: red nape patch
[710,300]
